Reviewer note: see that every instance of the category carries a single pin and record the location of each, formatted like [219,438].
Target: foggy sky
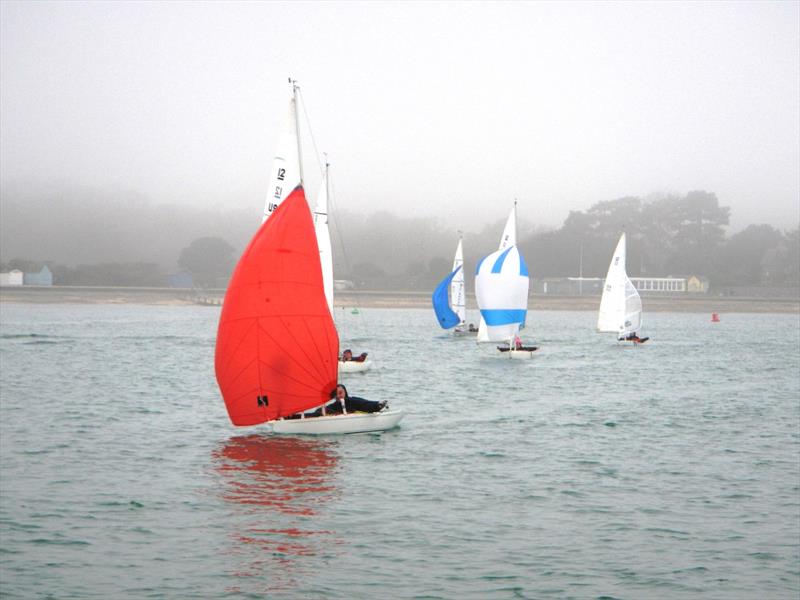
[443,109]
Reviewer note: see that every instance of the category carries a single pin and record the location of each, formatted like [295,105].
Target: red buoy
[714,318]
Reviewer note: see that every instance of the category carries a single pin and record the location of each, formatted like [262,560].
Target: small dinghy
[521,353]
[620,307]
[354,366]
[501,288]
[451,313]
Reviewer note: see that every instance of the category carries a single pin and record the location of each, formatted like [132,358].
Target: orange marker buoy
[714,318]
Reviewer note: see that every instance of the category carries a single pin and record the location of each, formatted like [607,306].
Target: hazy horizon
[433,109]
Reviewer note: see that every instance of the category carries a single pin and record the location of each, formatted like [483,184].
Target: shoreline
[701,303]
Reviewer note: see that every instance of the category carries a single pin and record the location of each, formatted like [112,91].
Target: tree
[208,259]
[752,256]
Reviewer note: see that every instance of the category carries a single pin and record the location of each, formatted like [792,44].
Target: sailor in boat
[347,356]
[632,337]
[344,403]
[472,328]
[518,345]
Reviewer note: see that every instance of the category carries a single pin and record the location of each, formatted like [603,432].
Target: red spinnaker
[277,347]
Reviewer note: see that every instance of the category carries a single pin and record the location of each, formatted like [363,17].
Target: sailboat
[451,312]
[501,288]
[509,238]
[277,346]
[620,306]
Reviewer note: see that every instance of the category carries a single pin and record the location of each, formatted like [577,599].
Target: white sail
[324,239]
[620,307]
[457,295]
[285,174]
[501,288]
[509,238]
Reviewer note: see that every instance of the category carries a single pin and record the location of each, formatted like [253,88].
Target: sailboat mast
[297,127]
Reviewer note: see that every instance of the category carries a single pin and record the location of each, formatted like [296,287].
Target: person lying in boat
[347,355]
[632,337]
[351,404]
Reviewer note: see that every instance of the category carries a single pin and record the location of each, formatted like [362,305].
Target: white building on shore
[13,277]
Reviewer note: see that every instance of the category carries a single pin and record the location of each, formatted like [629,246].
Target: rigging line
[332,213]
[310,131]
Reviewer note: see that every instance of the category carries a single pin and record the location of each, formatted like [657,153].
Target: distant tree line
[126,241]
[668,236]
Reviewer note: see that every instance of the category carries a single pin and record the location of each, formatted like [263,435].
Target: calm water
[594,470]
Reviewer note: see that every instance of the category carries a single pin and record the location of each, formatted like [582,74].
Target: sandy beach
[384,299]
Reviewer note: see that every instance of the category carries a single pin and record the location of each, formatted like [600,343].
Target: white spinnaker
[501,288]
[324,240]
[620,307]
[509,238]
[285,174]
[457,295]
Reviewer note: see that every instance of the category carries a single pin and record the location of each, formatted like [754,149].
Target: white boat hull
[351,366]
[339,424]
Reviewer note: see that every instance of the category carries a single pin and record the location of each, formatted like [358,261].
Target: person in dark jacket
[351,403]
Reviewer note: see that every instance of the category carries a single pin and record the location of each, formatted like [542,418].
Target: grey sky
[443,109]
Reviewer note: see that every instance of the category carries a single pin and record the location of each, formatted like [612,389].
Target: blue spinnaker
[441,304]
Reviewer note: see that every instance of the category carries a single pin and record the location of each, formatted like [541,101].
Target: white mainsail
[509,238]
[286,170]
[457,295]
[324,239]
[501,288]
[620,307]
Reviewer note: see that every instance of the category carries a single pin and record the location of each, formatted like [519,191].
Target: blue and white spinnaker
[501,288]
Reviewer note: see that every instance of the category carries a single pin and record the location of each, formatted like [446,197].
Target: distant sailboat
[620,307]
[452,312]
[501,288]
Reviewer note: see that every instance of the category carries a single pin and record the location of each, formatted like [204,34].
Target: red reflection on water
[292,475]
[282,484]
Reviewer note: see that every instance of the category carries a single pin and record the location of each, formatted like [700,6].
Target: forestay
[501,288]
[620,306]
